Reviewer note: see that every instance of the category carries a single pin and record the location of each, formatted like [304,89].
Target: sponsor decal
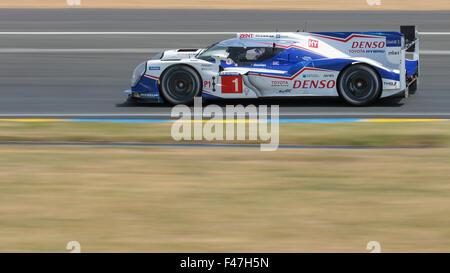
[280,83]
[390,84]
[229,73]
[365,44]
[365,47]
[246,35]
[261,65]
[393,52]
[284,91]
[313,43]
[317,84]
[328,75]
[365,51]
[393,42]
[311,76]
[258,35]
[275,63]
[264,36]
[147,95]
[154,68]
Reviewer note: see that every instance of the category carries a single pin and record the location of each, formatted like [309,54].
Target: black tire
[180,84]
[359,85]
[412,88]
[130,100]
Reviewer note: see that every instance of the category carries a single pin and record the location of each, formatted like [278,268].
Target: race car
[359,67]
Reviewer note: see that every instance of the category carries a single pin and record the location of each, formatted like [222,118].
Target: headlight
[138,72]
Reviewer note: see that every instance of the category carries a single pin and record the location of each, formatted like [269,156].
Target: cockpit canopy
[242,51]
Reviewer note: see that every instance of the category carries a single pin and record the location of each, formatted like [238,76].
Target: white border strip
[116,33]
[167,114]
[80,50]
[148,33]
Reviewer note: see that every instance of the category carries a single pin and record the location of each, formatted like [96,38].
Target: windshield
[214,50]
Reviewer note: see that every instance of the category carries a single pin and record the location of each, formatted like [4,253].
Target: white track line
[81,50]
[434,33]
[147,33]
[115,33]
[435,52]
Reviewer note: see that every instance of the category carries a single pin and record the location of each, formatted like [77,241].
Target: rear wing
[411,49]
[411,38]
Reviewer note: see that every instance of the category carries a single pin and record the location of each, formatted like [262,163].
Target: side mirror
[219,57]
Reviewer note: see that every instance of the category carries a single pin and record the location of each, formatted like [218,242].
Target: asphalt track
[83,75]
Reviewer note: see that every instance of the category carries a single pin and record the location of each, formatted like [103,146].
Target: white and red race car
[359,67]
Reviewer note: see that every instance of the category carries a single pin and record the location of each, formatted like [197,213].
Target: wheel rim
[181,85]
[360,85]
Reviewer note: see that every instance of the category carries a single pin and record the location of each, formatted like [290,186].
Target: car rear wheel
[359,85]
[180,84]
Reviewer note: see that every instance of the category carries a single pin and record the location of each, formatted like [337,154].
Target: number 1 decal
[231,84]
[236,84]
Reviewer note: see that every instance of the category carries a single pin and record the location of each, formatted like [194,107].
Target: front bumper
[146,89]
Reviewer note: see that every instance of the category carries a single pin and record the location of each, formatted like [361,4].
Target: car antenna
[303,27]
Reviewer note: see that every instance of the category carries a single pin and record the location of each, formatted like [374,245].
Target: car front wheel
[180,84]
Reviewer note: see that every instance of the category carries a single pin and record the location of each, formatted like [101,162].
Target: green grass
[430,134]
